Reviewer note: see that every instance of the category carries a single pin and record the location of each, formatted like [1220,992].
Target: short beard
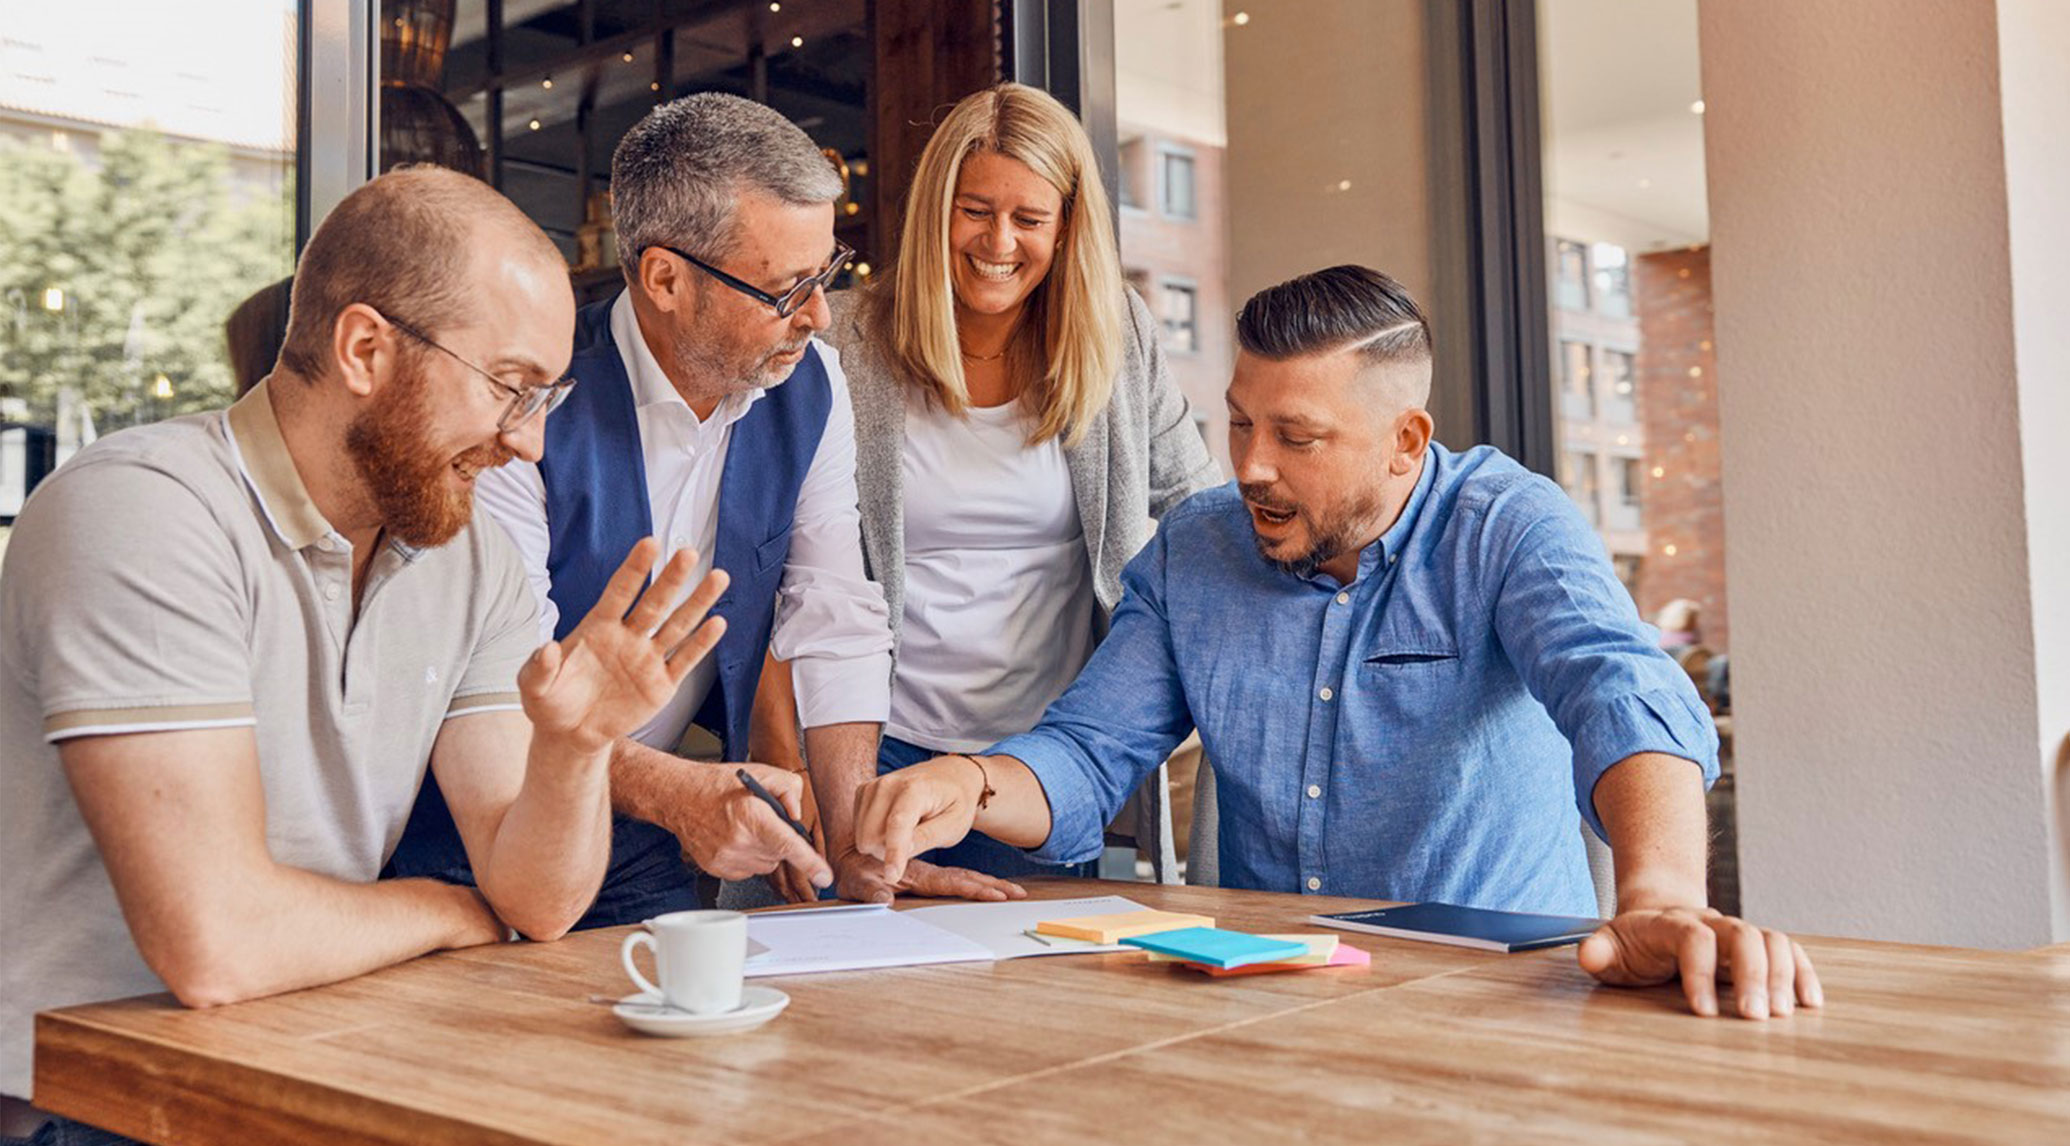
[1333,535]
[404,476]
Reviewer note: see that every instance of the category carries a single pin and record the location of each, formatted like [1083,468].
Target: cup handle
[625,956]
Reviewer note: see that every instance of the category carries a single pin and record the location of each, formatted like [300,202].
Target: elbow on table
[202,975]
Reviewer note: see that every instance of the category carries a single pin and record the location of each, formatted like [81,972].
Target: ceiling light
[1343,184]
[1696,108]
[534,125]
[797,41]
[628,57]
[547,83]
[1240,19]
[1669,549]
[776,7]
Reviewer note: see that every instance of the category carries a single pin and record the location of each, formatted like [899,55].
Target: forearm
[1652,806]
[283,928]
[550,851]
[773,728]
[841,759]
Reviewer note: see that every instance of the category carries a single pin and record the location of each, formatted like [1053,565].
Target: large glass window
[147,162]
[1623,147]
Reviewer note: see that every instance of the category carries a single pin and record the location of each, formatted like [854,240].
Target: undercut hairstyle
[405,244]
[679,172]
[1337,309]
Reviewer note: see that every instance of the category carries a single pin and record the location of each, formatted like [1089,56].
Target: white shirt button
[1315,791]
[679,541]
[1326,694]
[1314,883]
[330,591]
[325,544]
[1344,598]
[1393,557]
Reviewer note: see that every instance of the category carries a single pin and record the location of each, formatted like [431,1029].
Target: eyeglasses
[525,401]
[785,304]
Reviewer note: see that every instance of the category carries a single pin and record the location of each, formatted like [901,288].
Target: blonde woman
[1016,431]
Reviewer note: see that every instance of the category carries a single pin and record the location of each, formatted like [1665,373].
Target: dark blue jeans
[65,1132]
[978,851]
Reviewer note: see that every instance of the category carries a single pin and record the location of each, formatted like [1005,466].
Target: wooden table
[1431,1044]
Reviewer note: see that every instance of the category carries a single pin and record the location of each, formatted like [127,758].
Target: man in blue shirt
[1414,670]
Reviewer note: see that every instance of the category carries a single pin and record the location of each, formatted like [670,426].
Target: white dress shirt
[999,599]
[831,621]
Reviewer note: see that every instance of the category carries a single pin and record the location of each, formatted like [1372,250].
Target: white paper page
[850,939]
[1002,927]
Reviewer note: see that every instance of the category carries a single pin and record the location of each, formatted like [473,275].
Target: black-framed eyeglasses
[525,401]
[785,304]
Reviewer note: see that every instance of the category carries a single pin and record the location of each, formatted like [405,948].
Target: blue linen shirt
[1432,731]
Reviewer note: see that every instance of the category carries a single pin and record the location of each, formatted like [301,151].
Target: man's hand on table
[1768,971]
[865,879]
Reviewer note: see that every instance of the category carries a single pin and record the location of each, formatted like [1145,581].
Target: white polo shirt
[177,576]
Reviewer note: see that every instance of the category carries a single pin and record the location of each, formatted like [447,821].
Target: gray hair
[679,172]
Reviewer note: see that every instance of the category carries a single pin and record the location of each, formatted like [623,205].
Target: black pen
[775,805]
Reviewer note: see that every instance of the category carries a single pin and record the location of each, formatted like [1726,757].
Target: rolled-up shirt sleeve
[1577,641]
[831,620]
[1117,722]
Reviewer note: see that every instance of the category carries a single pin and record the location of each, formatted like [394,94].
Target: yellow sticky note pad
[1125,925]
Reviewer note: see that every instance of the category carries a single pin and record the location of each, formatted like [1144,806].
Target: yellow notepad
[1320,950]
[1115,928]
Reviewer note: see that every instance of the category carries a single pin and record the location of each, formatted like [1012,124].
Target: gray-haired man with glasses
[709,417]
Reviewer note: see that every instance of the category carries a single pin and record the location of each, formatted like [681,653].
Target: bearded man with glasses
[236,642]
[709,416]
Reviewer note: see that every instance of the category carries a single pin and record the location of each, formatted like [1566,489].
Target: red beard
[404,474]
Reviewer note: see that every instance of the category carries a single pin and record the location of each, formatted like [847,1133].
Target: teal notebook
[1216,947]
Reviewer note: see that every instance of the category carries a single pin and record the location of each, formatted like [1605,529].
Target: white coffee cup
[698,956]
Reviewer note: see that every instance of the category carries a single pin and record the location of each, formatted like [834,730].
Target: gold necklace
[969,357]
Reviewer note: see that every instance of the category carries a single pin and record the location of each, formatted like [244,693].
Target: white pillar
[1891,267]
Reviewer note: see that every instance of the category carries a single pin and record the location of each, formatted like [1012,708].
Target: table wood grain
[499,1045]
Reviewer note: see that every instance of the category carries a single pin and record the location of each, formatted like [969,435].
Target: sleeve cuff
[1077,833]
[847,690]
[123,721]
[1654,721]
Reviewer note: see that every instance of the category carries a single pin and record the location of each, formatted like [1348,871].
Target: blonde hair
[1068,342]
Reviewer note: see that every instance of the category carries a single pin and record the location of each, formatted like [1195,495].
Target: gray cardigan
[1141,456]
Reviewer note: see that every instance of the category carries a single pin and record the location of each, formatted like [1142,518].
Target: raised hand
[627,657]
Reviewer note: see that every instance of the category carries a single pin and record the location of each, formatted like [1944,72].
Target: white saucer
[650,1015]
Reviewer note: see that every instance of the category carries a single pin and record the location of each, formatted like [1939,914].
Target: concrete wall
[1893,466]
[2034,83]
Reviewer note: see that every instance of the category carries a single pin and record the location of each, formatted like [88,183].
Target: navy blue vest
[597,508]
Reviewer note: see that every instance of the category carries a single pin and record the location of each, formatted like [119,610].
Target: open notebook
[860,936]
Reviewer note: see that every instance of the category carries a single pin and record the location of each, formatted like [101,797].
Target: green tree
[152,249]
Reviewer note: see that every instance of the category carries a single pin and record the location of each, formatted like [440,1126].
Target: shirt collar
[263,459]
[1391,543]
[650,384]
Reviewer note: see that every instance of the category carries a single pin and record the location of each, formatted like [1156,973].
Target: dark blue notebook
[1465,926]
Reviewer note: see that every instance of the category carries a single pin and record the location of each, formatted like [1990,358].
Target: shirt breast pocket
[1412,679]
[772,552]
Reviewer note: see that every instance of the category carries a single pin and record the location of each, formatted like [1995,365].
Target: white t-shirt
[999,601]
